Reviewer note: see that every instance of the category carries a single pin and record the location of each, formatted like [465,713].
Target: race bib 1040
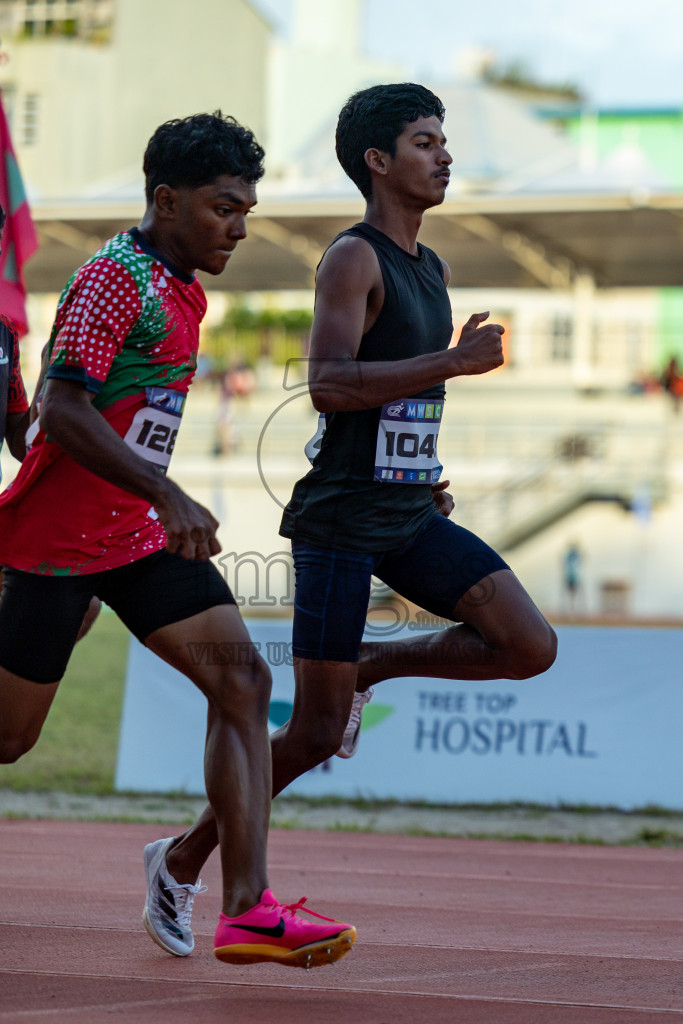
[406,442]
[154,429]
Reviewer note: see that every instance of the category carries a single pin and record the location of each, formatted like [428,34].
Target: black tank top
[339,504]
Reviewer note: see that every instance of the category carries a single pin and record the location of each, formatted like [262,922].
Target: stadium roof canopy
[527,207]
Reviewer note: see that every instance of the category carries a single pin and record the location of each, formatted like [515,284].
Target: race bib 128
[154,429]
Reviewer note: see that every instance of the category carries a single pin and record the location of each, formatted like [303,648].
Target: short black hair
[193,151]
[374,118]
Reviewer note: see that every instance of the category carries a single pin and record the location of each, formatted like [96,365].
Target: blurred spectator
[672,381]
[242,379]
[572,576]
[238,381]
[645,384]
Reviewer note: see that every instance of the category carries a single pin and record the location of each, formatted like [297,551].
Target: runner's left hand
[443,501]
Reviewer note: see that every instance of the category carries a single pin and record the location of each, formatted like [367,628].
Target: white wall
[98,104]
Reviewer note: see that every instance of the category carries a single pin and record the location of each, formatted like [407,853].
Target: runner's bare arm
[15,433]
[18,423]
[18,420]
[348,299]
[69,418]
[34,409]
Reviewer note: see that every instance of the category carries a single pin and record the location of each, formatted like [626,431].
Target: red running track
[449,930]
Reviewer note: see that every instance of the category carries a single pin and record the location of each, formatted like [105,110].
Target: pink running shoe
[274,932]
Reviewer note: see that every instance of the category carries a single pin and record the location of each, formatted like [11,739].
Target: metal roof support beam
[70,236]
[551,272]
[298,245]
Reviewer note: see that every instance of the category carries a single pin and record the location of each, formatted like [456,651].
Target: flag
[19,239]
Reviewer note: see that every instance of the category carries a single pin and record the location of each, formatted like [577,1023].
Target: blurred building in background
[311,75]
[88,81]
[569,220]
[564,221]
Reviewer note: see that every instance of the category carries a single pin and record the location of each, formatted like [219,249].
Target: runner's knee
[14,747]
[534,653]
[241,690]
[323,743]
[321,739]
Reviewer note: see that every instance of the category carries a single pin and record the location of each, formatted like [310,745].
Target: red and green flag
[19,239]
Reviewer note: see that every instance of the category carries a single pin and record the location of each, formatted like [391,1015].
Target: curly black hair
[193,151]
[374,118]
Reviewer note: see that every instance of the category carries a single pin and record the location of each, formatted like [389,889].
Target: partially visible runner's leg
[503,636]
[498,631]
[40,617]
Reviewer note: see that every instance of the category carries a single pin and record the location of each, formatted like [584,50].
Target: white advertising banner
[602,728]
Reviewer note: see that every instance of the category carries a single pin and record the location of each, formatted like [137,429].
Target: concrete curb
[611,827]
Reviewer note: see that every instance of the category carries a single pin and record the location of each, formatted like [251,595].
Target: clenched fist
[480,346]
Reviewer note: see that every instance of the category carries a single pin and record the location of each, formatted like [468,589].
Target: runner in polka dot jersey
[126,330]
[93,513]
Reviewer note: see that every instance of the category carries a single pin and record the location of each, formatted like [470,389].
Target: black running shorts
[40,616]
[433,571]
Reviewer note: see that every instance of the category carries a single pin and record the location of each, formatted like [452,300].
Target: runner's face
[210,221]
[420,165]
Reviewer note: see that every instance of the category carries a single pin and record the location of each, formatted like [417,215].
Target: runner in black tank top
[341,502]
[374,504]
[380,338]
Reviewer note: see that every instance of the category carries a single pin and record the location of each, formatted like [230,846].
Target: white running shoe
[168,907]
[352,732]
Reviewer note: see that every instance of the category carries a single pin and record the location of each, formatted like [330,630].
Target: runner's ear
[165,200]
[376,160]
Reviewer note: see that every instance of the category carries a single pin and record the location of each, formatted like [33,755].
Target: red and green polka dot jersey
[126,321]
[119,323]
